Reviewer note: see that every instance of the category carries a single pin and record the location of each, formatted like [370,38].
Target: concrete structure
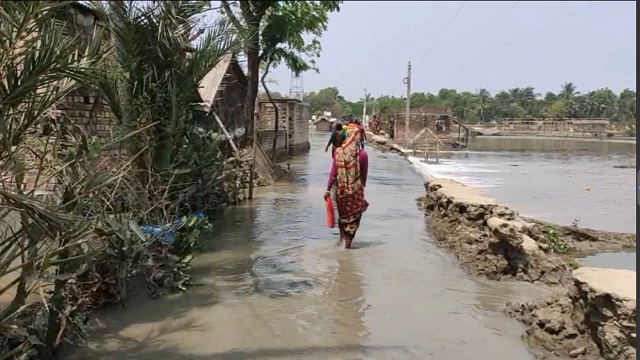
[437,119]
[551,125]
[293,125]
[323,124]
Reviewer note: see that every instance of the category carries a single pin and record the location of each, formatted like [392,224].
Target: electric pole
[364,109]
[407,114]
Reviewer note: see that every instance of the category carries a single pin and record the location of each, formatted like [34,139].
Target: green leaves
[482,106]
[286,24]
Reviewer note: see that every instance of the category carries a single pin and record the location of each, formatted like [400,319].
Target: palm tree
[568,91]
[627,104]
[159,74]
[40,64]
[483,103]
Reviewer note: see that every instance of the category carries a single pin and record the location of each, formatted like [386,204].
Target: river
[275,286]
[561,180]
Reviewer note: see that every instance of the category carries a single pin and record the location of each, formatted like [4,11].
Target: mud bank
[592,315]
[494,241]
[593,318]
[384,144]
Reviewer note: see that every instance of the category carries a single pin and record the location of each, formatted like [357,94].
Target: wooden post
[226,133]
[426,150]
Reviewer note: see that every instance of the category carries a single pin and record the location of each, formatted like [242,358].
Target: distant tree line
[482,106]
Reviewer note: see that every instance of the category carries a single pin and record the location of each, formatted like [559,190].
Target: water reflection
[619,260]
[347,296]
[570,180]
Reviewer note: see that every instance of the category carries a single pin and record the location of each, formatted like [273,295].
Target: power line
[494,22]
[505,13]
[444,31]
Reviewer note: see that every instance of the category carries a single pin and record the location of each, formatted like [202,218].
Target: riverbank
[594,317]
[494,241]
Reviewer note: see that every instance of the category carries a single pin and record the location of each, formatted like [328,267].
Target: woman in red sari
[349,176]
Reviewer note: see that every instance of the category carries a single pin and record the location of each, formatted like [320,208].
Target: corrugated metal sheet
[210,84]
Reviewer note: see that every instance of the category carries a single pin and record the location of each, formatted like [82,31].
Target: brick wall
[300,138]
[265,139]
[92,115]
[419,119]
[89,111]
[293,123]
[267,114]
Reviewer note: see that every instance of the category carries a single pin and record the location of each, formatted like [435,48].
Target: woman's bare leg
[340,239]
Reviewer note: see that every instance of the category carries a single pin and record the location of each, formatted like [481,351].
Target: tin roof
[322,118]
[210,84]
[262,98]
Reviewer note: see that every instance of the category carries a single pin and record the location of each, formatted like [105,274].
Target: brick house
[293,126]
[437,119]
[81,106]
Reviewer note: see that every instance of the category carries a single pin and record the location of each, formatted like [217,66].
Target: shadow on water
[273,285]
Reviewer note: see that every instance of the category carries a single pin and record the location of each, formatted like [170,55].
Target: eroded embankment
[592,316]
[495,241]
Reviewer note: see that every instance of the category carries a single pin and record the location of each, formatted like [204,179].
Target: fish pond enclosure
[578,127]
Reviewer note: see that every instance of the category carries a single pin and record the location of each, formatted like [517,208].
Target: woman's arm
[363,159]
[331,141]
[332,176]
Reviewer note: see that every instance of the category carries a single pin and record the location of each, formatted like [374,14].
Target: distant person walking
[374,125]
[338,136]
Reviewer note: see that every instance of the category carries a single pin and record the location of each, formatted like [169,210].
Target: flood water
[554,179]
[275,286]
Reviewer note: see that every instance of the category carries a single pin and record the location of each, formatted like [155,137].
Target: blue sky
[469,45]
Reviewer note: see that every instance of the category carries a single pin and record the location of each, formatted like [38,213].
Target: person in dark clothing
[336,139]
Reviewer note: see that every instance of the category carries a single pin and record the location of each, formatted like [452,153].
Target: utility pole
[364,109]
[407,80]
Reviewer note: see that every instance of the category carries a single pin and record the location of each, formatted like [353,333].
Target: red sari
[349,173]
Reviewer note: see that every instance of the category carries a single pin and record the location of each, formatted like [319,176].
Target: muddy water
[275,286]
[555,179]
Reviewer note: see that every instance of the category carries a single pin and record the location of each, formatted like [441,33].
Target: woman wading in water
[349,176]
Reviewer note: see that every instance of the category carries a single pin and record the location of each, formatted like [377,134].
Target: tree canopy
[274,32]
[482,106]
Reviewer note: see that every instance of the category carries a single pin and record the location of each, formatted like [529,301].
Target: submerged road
[395,296]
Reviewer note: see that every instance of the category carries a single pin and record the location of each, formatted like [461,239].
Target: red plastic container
[331,219]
